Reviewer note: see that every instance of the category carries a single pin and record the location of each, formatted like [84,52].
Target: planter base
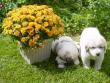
[34,55]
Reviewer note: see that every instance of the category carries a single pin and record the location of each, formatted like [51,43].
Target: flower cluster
[32,24]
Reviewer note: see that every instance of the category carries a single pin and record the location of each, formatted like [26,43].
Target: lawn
[13,68]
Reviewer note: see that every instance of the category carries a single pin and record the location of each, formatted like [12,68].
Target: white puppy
[93,46]
[66,51]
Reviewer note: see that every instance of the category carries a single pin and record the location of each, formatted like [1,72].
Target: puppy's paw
[97,68]
[61,66]
[76,62]
[86,67]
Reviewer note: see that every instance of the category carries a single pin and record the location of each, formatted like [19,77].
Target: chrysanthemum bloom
[32,24]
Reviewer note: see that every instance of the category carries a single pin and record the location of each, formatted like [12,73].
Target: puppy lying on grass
[66,50]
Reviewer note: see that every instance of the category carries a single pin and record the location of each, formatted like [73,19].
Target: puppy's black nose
[98,54]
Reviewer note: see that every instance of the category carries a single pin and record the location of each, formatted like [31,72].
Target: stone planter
[34,55]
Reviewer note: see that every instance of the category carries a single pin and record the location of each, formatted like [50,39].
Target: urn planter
[34,55]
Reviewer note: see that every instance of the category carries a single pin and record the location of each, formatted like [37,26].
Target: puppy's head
[97,47]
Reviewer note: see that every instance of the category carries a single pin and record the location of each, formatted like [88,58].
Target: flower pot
[34,55]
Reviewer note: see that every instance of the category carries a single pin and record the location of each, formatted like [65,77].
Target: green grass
[13,69]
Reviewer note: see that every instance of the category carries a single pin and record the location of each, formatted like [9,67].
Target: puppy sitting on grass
[66,50]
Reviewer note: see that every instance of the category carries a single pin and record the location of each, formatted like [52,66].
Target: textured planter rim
[34,55]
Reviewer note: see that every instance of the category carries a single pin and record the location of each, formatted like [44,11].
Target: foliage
[32,24]
[78,14]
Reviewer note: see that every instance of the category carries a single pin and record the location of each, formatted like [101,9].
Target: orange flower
[32,43]
[46,30]
[38,27]
[61,30]
[38,19]
[31,24]
[30,31]
[50,34]
[55,31]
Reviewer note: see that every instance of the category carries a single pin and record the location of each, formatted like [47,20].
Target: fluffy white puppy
[93,46]
[66,50]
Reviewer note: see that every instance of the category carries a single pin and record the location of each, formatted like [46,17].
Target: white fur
[93,46]
[66,49]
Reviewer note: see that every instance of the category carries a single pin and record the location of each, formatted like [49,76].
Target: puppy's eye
[92,47]
[101,47]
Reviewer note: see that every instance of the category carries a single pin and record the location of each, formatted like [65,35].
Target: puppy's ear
[104,43]
[87,48]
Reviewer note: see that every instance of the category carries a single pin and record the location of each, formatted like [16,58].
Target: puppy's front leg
[76,61]
[98,62]
[84,57]
[60,62]
[86,63]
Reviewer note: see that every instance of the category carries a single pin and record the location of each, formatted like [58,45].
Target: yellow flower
[38,20]
[54,31]
[32,23]
[7,23]
[44,12]
[61,30]
[23,30]
[46,24]
[17,26]
[38,27]
[22,17]
[46,30]
[17,33]
[50,22]
[24,24]
[24,39]
[16,19]
[10,32]
[36,37]
[31,17]
[38,14]
[55,20]
[50,34]
[31,31]
[32,43]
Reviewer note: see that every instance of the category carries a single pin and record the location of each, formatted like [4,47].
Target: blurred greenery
[76,14]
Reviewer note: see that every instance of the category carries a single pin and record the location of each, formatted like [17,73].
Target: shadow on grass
[51,66]
[106,63]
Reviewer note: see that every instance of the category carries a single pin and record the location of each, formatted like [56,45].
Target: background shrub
[85,13]
[76,14]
